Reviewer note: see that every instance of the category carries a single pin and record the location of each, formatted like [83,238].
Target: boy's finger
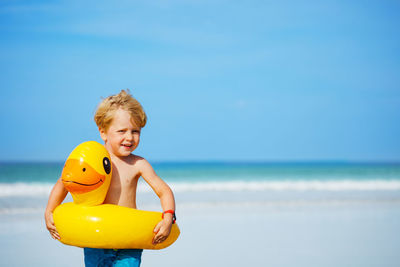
[55,234]
[160,239]
[157,228]
[156,240]
[51,228]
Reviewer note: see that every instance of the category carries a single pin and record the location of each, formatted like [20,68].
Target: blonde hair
[106,109]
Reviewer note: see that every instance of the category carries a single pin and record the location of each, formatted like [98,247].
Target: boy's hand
[162,230]
[48,216]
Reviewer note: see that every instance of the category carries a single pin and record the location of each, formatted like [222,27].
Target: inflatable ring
[87,222]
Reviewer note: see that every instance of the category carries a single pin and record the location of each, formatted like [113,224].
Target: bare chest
[124,177]
[123,187]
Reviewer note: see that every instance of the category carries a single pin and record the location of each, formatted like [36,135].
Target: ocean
[24,187]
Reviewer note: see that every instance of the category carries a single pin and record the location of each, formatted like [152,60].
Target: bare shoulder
[141,163]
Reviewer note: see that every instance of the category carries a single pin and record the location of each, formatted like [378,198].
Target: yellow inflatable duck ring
[89,223]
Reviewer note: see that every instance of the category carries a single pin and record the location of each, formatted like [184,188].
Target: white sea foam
[24,189]
[40,189]
[238,186]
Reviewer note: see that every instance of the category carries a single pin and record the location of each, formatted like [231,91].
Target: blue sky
[219,80]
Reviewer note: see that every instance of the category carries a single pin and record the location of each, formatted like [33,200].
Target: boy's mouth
[127,146]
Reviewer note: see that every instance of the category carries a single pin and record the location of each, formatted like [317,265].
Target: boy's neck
[121,158]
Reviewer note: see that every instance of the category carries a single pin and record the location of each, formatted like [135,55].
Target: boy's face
[122,136]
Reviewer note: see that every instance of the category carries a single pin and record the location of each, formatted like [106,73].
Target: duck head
[87,173]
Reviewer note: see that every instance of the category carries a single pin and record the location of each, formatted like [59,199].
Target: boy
[120,119]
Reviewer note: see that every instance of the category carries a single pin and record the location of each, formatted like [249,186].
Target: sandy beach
[265,233]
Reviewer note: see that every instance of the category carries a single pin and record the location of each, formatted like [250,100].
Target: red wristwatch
[173,215]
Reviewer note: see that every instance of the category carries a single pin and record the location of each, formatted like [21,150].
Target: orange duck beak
[79,177]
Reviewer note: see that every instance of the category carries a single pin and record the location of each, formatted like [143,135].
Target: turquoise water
[276,171]
[26,186]
[221,171]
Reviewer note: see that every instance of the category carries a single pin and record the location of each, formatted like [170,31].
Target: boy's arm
[164,192]
[57,195]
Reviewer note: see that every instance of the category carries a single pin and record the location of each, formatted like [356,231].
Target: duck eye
[84,169]
[107,165]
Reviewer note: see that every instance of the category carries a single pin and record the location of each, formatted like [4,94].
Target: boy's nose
[129,136]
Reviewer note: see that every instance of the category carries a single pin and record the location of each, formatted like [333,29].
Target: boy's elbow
[165,192]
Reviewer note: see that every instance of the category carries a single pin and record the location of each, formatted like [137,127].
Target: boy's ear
[103,134]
